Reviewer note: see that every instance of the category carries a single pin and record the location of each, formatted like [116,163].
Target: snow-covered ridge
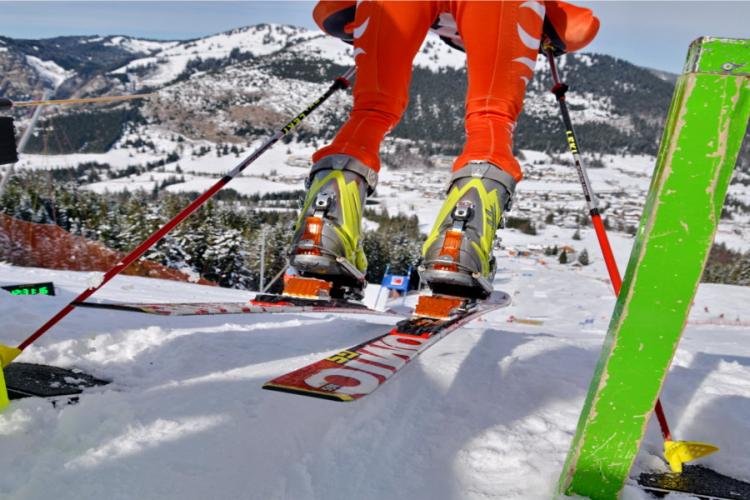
[167,64]
[137,45]
[49,71]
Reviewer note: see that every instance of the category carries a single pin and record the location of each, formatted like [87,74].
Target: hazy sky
[649,33]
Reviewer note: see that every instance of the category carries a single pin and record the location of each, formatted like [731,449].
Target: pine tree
[563,259]
[583,258]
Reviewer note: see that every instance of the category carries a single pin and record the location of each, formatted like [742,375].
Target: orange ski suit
[501,39]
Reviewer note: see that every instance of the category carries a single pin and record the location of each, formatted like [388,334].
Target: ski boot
[327,243]
[457,257]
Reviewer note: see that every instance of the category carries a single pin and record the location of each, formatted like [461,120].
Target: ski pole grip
[5,104]
[344,81]
[559,89]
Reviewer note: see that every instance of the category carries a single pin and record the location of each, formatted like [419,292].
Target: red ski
[261,304]
[356,372]
[300,295]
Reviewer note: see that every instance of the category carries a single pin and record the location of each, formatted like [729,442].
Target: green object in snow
[706,124]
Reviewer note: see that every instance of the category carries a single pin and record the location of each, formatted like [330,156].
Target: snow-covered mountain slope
[166,65]
[137,46]
[239,85]
[49,72]
[550,186]
[488,412]
[68,64]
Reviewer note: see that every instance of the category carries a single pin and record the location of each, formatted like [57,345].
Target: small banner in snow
[31,289]
[396,281]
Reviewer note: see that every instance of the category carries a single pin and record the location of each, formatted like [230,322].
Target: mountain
[242,83]
[70,65]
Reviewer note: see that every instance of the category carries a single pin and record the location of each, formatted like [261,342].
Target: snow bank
[489,412]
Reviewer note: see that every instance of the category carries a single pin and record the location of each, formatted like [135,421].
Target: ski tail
[695,480]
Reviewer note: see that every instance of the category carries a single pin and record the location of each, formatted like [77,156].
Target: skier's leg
[501,41]
[327,242]
[387,35]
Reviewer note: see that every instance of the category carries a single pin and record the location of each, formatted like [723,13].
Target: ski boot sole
[457,284]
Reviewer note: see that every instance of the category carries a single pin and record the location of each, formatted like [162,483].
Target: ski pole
[559,89]
[340,83]
[275,278]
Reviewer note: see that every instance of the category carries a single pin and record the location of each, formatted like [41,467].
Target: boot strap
[486,170]
[348,163]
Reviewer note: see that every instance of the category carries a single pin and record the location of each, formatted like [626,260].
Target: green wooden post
[702,137]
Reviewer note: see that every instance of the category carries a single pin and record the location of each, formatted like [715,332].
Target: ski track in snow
[489,412]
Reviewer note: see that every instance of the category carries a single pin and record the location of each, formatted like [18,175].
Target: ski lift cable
[6,104]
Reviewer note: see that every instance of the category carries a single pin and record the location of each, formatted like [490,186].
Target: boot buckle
[322,204]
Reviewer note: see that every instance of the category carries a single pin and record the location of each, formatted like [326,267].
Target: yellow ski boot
[457,256]
[327,242]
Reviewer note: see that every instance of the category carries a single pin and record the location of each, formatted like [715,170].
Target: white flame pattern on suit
[528,40]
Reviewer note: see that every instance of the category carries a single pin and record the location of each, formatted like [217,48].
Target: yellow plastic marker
[679,452]
[4,401]
[7,354]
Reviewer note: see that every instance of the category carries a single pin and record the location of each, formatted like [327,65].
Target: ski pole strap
[558,88]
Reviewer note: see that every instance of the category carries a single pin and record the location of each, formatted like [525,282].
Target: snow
[136,45]
[489,412]
[436,54]
[326,47]
[94,280]
[49,71]
[117,158]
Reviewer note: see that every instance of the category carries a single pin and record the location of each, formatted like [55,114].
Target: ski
[301,295]
[266,303]
[43,381]
[695,480]
[356,372]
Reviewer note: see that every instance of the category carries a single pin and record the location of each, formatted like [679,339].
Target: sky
[648,33]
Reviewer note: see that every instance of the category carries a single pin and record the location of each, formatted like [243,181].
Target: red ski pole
[559,89]
[340,83]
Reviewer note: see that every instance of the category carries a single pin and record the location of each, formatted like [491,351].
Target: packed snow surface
[489,412]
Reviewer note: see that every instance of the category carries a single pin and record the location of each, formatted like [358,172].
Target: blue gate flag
[396,281]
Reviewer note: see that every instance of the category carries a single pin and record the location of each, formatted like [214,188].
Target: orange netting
[51,247]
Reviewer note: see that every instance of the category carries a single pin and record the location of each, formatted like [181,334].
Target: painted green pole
[704,130]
